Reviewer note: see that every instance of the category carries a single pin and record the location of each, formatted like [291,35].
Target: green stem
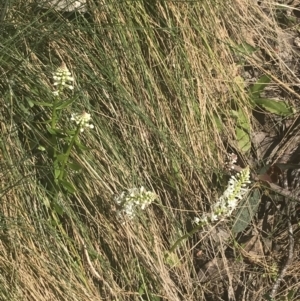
[54,114]
[184,237]
[68,152]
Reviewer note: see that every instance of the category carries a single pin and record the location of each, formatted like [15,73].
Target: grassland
[160,80]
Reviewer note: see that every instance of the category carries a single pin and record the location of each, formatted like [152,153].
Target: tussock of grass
[156,76]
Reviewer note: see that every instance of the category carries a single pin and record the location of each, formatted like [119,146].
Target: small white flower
[204,220]
[82,120]
[214,217]
[228,201]
[232,203]
[134,199]
[196,220]
[62,78]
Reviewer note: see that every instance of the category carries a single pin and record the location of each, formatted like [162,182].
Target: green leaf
[46,202]
[243,120]
[141,290]
[51,131]
[291,295]
[273,106]
[234,114]
[80,145]
[41,148]
[247,210]
[59,209]
[56,132]
[67,185]
[240,82]
[154,297]
[243,139]
[30,102]
[171,259]
[42,104]
[218,122]
[259,86]
[246,48]
[23,108]
[74,166]
[71,132]
[65,103]
[61,157]
[56,173]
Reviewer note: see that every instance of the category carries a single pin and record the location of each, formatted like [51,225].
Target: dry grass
[155,77]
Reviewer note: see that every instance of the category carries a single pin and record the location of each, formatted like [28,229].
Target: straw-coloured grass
[157,77]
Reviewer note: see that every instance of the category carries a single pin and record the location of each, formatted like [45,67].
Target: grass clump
[158,85]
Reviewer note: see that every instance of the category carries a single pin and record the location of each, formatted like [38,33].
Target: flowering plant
[227,203]
[61,136]
[236,189]
[132,200]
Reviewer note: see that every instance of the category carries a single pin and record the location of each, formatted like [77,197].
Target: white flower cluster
[132,200]
[64,5]
[82,120]
[62,78]
[232,159]
[227,203]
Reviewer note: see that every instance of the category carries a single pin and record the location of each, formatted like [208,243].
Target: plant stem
[54,115]
[184,237]
[68,152]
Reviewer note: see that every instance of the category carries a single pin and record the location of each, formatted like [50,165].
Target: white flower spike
[62,78]
[82,120]
[131,200]
[227,203]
